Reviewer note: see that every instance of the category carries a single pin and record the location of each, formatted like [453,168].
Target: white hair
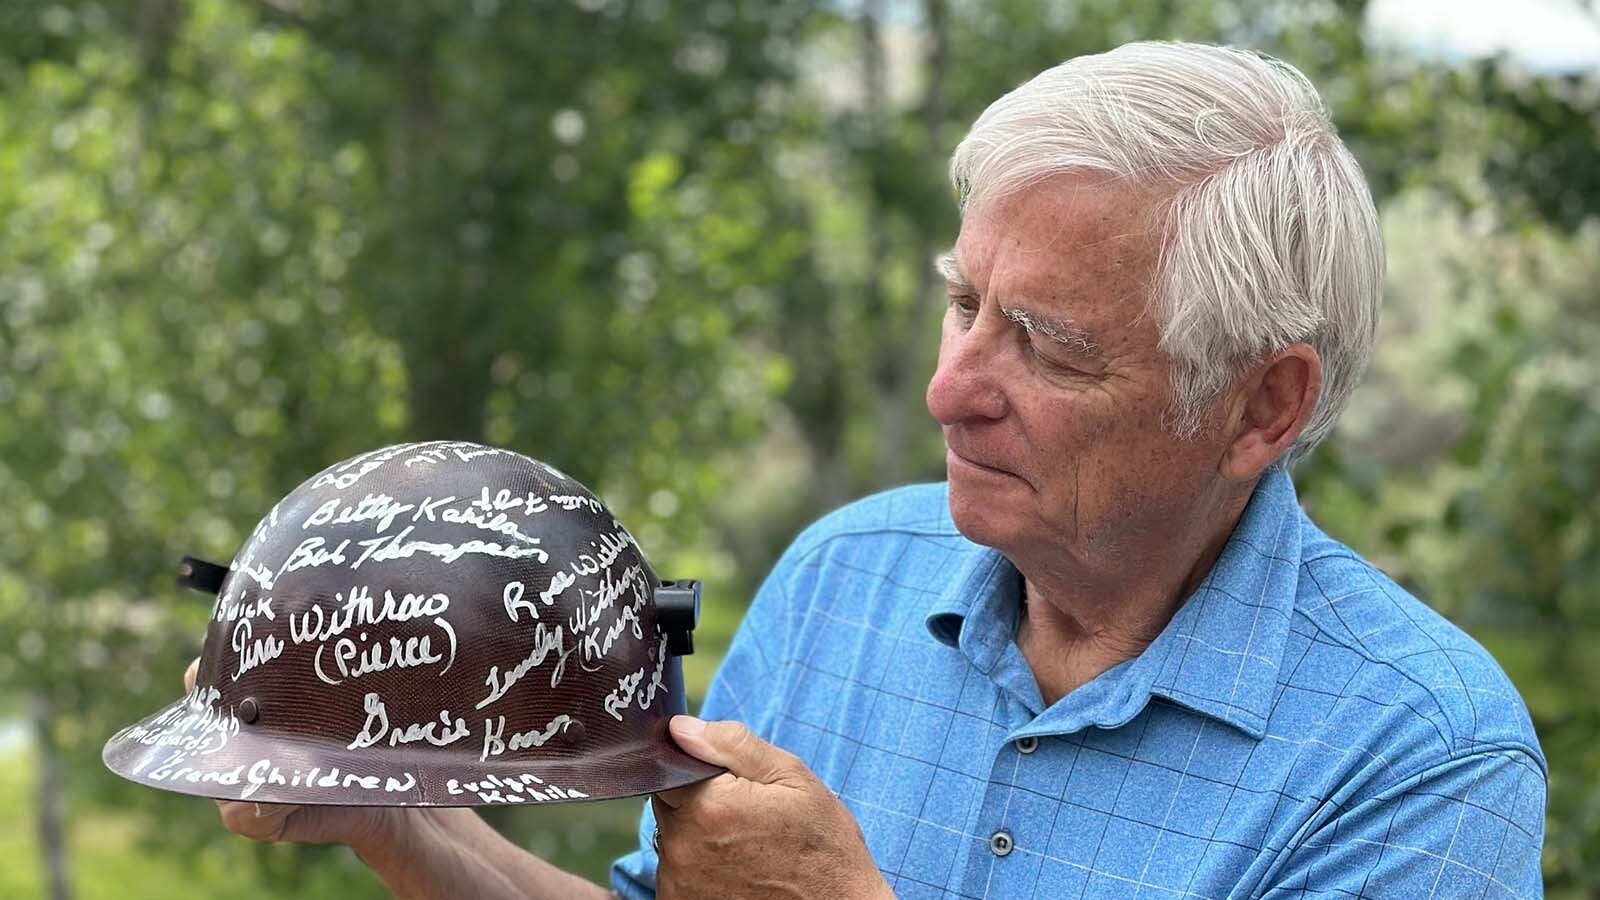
[1270,236]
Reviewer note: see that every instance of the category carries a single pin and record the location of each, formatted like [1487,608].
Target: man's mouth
[957,458]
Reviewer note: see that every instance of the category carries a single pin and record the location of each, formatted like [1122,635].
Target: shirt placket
[994,863]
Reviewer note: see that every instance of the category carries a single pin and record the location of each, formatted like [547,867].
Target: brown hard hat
[435,624]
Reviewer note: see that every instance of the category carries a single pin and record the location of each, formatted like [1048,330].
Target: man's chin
[981,519]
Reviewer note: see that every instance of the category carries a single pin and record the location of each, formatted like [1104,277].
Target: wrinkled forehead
[1086,241]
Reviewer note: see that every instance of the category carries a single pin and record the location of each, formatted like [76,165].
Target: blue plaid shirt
[1303,727]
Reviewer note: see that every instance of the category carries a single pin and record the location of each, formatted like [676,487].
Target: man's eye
[1060,368]
[1048,353]
[964,305]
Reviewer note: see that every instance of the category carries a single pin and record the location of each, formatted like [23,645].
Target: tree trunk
[901,384]
[52,840]
[445,348]
[449,389]
[157,25]
[874,70]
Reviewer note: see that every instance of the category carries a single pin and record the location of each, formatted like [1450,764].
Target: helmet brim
[186,749]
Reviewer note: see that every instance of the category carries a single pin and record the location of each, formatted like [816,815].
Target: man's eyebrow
[950,270]
[1056,329]
[1061,331]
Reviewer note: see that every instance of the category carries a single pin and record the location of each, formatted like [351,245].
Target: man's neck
[1082,619]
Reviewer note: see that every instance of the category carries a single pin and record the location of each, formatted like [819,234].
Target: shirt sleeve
[743,689]
[1472,826]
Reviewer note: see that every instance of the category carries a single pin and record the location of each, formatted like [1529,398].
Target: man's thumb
[733,746]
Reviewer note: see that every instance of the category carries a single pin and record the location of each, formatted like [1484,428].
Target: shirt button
[1027,744]
[1000,843]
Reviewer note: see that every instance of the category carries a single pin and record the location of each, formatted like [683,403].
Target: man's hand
[418,853]
[353,825]
[765,828]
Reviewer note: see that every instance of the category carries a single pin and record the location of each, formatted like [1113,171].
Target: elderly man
[1110,656]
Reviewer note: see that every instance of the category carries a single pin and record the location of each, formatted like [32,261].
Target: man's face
[1050,388]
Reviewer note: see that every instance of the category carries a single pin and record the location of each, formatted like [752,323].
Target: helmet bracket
[678,611]
[199,575]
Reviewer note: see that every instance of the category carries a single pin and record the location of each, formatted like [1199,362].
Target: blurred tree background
[680,249]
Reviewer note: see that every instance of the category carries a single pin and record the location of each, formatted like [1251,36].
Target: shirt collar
[986,589]
[1219,655]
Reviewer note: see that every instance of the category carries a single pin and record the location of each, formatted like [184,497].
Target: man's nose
[966,385]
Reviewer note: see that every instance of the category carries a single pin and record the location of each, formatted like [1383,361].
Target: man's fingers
[257,821]
[190,674]
[734,747]
[661,811]
[679,796]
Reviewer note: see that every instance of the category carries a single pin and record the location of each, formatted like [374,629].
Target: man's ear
[1276,402]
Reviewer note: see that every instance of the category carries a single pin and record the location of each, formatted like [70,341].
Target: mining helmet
[431,624]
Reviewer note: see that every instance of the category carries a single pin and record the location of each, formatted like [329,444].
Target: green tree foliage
[246,239]
[682,250]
